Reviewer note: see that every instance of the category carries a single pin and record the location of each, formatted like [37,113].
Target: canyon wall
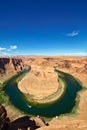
[74,65]
[9,66]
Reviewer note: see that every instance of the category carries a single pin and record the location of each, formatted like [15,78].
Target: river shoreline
[49,99]
[32,107]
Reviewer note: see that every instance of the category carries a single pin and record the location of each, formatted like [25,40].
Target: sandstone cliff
[22,123]
[74,65]
[9,66]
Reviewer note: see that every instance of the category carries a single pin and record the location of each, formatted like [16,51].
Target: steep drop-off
[10,66]
[75,65]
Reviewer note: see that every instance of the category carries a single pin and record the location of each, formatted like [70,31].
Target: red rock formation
[10,65]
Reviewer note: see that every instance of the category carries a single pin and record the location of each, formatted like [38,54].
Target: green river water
[62,106]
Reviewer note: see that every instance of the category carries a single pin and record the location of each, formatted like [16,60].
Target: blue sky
[43,27]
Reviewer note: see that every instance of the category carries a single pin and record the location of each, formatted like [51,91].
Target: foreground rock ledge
[39,82]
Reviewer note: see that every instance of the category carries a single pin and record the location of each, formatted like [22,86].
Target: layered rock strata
[39,82]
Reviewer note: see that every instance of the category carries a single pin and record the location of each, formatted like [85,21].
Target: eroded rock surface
[40,81]
[74,65]
[10,65]
[4,120]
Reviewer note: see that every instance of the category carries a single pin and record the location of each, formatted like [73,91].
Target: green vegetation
[3,97]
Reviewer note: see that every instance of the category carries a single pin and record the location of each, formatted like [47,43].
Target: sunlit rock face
[44,72]
[40,81]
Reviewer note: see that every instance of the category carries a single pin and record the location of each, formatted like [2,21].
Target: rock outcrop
[10,66]
[22,123]
[40,122]
[42,79]
[28,123]
[4,120]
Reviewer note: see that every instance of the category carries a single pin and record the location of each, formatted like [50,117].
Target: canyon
[42,71]
[10,66]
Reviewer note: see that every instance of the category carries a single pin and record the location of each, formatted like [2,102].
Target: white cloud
[13,47]
[7,51]
[2,49]
[72,34]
